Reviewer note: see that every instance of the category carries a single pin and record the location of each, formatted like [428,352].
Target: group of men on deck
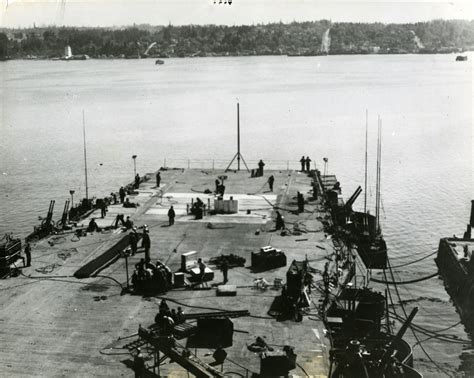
[305,164]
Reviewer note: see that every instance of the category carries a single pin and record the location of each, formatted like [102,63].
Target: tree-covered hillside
[297,38]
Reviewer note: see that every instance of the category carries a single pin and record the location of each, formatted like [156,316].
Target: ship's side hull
[457,279]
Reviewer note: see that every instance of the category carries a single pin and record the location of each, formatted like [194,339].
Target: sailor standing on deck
[103,208]
[137,181]
[122,194]
[300,200]
[146,243]
[308,163]
[224,269]
[158,179]
[171,215]
[261,164]
[202,269]
[28,254]
[271,180]
[302,161]
[133,239]
[280,223]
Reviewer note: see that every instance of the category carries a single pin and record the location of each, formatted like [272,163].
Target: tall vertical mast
[380,172]
[365,187]
[85,152]
[379,164]
[377,178]
[238,137]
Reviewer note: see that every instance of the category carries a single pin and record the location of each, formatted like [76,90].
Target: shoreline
[240,55]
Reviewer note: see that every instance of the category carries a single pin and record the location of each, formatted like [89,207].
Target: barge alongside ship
[456,266]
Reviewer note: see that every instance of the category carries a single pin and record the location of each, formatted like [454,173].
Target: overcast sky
[15,13]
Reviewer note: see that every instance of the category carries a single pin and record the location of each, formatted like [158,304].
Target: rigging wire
[412,328]
[405,282]
[437,334]
[444,329]
[415,261]
[428,332]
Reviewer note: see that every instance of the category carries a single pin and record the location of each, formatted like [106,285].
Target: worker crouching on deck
[198,209]
[92,226]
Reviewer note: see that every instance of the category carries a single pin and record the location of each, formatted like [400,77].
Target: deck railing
[220,164]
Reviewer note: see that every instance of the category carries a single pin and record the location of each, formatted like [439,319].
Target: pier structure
[54,324]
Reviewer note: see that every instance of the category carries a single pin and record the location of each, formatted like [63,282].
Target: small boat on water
[159,61]
[461,58]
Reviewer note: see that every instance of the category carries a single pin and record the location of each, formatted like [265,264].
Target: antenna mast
[379,166]
[238,136]
[238,155]
[365,187]
[85,152]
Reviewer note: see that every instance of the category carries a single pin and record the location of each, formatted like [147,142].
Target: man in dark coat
[202,269]
[146,243]
[137,181]
[271,180]
[158,179]
[28,254]
[300,200]
[280,223]
[133,239]
[261,164]
[171,215]
[303,162]
[225,269]
[103,208]
[308,163]
[122,194]
[92,226]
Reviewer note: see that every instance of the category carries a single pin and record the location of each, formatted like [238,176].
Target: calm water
[289,107]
